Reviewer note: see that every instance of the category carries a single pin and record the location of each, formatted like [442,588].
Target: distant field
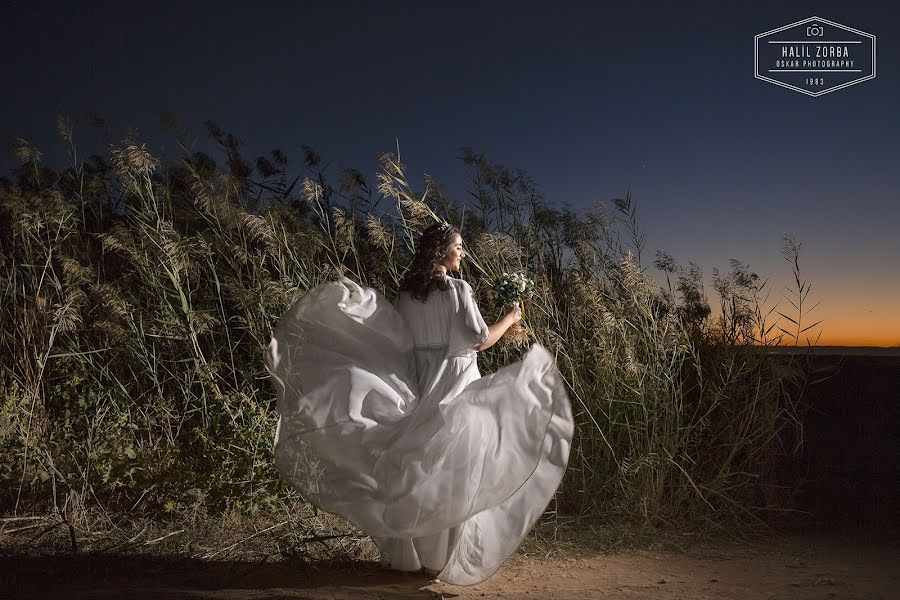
[839,350]
[851,455]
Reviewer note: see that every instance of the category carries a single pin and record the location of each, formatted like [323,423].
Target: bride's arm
[499,328]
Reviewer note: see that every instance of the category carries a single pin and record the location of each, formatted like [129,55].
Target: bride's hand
[515,311]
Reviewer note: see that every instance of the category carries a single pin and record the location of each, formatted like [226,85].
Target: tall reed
[138,298]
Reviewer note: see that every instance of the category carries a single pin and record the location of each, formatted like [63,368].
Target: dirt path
[796,568]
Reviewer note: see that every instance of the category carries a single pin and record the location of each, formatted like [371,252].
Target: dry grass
[138,298]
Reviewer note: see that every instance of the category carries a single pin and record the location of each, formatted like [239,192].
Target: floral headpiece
[444,228]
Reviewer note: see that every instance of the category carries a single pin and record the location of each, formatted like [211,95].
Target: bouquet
[512,289]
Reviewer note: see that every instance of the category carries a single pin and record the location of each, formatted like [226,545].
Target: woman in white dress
[386,421]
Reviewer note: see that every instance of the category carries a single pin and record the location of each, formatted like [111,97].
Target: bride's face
[454,255]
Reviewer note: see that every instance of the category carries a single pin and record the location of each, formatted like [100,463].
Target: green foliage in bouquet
[511,288]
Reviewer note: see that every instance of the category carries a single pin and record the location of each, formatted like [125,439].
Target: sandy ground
[797,567]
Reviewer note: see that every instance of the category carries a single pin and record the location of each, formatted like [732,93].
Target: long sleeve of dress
[467,328]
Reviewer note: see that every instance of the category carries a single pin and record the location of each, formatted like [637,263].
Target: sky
[591,99]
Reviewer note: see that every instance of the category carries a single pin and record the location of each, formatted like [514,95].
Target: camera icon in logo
[814,31]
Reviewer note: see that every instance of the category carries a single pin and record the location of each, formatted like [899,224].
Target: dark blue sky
[589,99]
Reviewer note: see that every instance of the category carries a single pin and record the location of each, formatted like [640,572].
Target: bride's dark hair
[433,244]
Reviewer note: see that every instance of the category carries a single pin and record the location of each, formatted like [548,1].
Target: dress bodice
[446,318]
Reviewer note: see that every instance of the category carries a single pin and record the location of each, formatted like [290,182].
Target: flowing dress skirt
[443,468]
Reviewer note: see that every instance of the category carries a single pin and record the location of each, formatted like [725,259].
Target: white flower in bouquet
[513,288]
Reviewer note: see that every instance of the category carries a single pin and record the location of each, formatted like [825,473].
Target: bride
[385,419]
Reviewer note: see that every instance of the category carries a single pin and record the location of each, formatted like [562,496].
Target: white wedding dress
[386,421]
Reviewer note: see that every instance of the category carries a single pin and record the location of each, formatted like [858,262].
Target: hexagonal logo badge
[814,56]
